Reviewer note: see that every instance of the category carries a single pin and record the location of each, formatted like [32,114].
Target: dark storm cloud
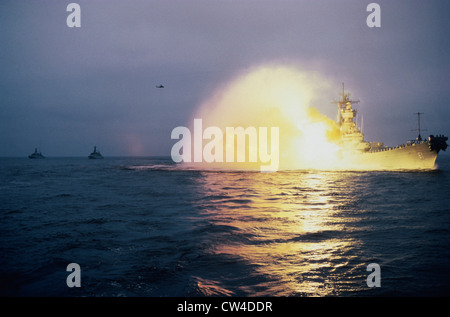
[67,89]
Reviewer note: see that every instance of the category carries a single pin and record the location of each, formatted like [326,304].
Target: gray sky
[67,89]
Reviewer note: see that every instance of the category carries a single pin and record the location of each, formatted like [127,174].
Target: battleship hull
[416,156]
[95,156]
[36,156]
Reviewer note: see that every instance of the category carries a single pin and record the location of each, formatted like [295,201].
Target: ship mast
[419,138]
[345,98]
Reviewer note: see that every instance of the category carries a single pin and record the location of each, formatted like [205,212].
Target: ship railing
[389,148]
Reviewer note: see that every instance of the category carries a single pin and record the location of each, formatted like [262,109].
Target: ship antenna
[362,123]
[419,138]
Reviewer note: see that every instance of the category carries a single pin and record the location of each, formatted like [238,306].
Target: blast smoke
[279,96]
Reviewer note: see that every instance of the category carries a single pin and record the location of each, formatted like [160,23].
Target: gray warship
[95,155]
[36,155]
[414,154]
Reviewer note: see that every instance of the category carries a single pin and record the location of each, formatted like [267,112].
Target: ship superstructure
[352,136]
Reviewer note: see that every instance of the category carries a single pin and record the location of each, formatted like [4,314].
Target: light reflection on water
[291,226]
[145,227]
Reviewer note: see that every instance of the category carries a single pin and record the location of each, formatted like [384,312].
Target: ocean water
[148,227]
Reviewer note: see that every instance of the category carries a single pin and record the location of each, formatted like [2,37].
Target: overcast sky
[67,89]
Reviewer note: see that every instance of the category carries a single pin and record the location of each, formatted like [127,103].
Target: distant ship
[36,155]
[415,154]
[96,154]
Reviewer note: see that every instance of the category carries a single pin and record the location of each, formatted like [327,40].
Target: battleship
[95,154]
[415,154]
[36,155]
